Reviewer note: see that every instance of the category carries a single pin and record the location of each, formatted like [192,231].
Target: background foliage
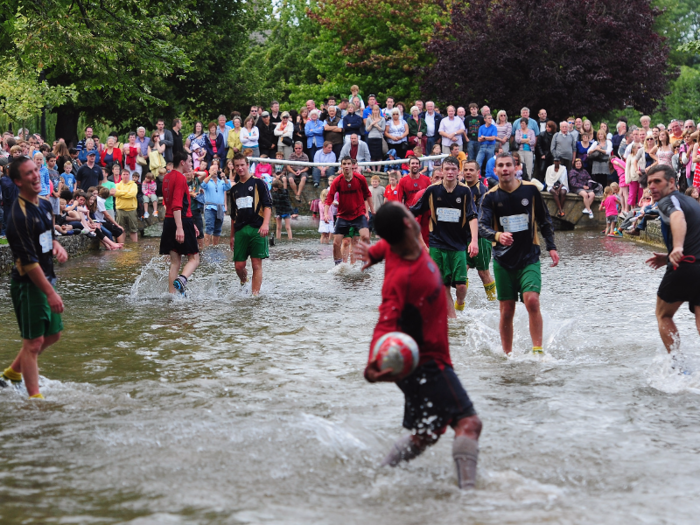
[123,63]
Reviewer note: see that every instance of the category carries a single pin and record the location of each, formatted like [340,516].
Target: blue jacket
[45,181]
[220,149]
[353,124]
[314,133]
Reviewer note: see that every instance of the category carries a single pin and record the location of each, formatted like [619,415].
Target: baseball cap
[92,152]
[265,114]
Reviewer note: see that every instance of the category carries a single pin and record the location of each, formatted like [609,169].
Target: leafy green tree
[679,23]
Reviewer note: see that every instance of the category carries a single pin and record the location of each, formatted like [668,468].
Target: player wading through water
[511,214]
[413,302]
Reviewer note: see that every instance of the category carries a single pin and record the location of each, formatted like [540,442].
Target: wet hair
[388,222]
[667,171]
[179,157]
[239,156]
[451,160]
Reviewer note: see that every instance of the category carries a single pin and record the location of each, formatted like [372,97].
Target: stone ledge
[652,235]
[74,245]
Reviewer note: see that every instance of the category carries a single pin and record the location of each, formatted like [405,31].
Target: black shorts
[434,399]
[169,244]
[197,218]
[342,226]
[115,230]
[681,284]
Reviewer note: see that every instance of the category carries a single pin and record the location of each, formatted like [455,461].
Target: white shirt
[430,122]
[454,125]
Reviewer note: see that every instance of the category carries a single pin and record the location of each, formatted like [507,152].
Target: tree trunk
[67,124]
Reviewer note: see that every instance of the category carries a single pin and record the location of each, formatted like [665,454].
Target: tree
[583,57]
[679,23]
[118,48]
[375,43]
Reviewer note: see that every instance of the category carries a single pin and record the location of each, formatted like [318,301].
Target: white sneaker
[146,215]
[590,214]
[155,213]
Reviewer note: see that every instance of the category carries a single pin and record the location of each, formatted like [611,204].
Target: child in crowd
[649,210]
[377,192]
[148,188]
[325,228]
[248,152]
[279,168]
[404,166]
[694,193]
[264,171]
[283,207]
[620,166]
[201,171]
[98,213]
[56,184]
[355,92]
[61,225]
[432,164]
[391,193]
[632,177]
[391,155]
[609,204]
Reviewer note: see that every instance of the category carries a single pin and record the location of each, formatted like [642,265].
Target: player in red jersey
[354,199]
[413,302]
[410,188]
[179,231]
[424,220]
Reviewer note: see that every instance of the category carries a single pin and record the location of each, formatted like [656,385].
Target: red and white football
[398,351]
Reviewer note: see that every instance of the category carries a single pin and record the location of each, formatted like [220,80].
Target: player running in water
[410,188]
[680,222]
[482,261]
[179,231]
[510,215]
[413,302]
[354,199]
[453,230]
[37,306]
[250,222]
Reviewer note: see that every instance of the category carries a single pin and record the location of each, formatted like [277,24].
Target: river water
[224,408]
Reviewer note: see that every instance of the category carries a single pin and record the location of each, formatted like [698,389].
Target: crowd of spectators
[572,156]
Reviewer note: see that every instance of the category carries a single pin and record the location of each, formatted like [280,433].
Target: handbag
[287,141]
[140,159]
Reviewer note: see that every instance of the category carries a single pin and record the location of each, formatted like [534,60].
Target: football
[397,351]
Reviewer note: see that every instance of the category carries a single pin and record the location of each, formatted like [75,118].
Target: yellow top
[233,141]
[126,196]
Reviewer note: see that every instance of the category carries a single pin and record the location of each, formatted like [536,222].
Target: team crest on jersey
[458,200]
[250,188]
[48,215]
[524,202]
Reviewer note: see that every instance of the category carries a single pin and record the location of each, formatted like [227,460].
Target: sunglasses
[650,140]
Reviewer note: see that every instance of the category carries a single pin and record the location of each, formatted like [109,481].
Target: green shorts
[248,243]
[510,283]
[128,220]
[352,232]
[34,315]
[483,260]
[453,266]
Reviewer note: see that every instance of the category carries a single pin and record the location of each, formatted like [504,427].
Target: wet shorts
[128,220]
[434,398]
[483,260]
[611,219]
[33,312]
[681,284]
[167,240]
[511,283]
[248,243]
[343,226]
[453,265]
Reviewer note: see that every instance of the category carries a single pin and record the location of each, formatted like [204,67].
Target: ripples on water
[228,408]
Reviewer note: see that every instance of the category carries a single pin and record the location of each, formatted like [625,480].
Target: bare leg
[485,276]
[345,249]
[241,271]
[451,314]
[301,185]
[532,303]
[667,328]
[288,227]
[408,447]
[278,229]
[506,325]
[257,275]
[175,262]
[215,239]
[292,184]
[207,240]
[191,265]
[28,361]
[134,237]
[337,247]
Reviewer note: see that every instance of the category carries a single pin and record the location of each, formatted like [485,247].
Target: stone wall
[652,234]
[74,245]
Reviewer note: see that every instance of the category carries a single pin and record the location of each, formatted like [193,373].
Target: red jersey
[409,188]
[424,221]
[413,302]
[351,196]
[391,194]
[176,194]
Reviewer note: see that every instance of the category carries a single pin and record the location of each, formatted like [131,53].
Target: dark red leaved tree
[569,57]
